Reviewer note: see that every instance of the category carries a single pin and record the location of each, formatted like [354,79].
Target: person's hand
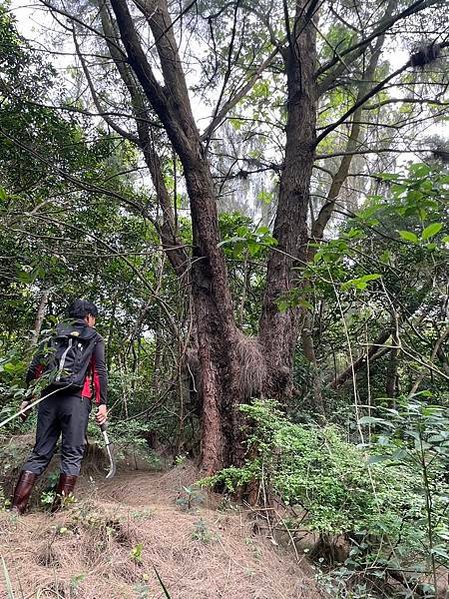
[102,414]
[23,405]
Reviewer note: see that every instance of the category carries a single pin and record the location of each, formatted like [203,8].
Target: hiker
[76,369]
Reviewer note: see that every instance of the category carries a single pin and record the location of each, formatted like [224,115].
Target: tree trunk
[216,331]
[232,367]
[167,229]
[39,318]
[278,330]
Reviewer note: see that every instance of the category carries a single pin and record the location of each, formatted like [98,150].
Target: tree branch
[220,116]
[359,47]
[340,176]
[122,132]
[373,351]
[168,229]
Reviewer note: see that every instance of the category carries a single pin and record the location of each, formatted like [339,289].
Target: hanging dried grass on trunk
[253,366]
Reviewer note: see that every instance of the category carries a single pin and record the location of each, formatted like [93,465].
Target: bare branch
[220,116]
[125,134]
[357,49]
[430,101]
[377,88]
[340,176]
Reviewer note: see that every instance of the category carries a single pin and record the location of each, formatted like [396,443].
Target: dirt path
[108,545]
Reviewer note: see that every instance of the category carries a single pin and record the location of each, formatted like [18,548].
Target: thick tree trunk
[167,228]
[233,368]
[217,334]
[278,330]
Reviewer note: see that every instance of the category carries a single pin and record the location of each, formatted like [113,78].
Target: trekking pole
[31,405]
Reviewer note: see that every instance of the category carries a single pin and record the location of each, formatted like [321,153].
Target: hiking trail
[120,534]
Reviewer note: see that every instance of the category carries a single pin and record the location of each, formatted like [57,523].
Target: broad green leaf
[360,283]
[263,231]
[409,236]
[25,277]
[254,248]
[431,230]
[414,195]
[420,169]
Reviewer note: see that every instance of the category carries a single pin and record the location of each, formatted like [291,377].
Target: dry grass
[253,366]
[91,551]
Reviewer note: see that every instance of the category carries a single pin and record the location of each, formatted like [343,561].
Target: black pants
[66,414]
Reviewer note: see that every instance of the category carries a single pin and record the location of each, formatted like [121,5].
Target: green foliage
[12,455]
[360,283]
[47,498]
[76,218]
[415,436]
[390,494]
[136,553]
[189,497]
[246,241]
[130,440]
[409,236]
[202,533]
[384,270]
[317,469]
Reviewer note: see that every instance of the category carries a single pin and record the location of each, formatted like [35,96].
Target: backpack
[69,355]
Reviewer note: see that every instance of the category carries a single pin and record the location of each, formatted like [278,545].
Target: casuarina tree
[334,101]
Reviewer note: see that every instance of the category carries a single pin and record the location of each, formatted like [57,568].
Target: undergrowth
[386,500]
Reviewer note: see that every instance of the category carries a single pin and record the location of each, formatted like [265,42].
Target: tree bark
[278,330]
[216,330]
[39,318]
[167,229]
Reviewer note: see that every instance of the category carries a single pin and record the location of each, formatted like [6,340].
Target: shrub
[372,495]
